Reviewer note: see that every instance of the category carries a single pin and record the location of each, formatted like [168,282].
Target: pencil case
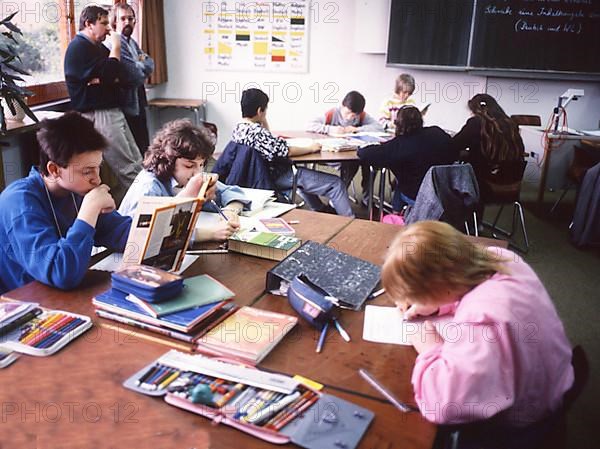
[47,333]
[270,406]
[148,283]
[310,301]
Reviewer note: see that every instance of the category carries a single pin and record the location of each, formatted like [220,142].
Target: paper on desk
[385,325]
[112,263]
[591,132]
[300,142]
[271,210]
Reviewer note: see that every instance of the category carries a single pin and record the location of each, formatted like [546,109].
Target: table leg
[294,182]
[381,192]
[371,187]
[544,175]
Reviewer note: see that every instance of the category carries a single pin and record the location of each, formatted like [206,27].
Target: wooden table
[76,396]
[325,157]
[554,153]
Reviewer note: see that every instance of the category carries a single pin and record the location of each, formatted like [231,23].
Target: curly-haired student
[175,160]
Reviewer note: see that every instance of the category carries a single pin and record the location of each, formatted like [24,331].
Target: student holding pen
[504,359]
[175,160]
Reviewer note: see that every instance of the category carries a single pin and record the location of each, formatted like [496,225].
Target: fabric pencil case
[310,301]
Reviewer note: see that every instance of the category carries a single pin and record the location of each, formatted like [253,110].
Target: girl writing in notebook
[174,165]
[504,358]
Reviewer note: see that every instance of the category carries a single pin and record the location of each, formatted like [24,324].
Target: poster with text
[261,36]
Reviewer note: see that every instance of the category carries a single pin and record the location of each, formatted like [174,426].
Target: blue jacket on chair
[243,166]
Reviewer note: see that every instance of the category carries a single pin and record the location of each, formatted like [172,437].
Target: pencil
[389,396]
[322,337]
[219,210]
[285,421]
[229,395]
[165,383]
[146,375]
[341,330]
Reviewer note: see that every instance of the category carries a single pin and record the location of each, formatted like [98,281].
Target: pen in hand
[219,210]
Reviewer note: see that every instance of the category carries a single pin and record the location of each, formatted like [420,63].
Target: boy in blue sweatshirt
[50,220]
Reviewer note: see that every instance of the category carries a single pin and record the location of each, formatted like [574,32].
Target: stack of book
[199,304]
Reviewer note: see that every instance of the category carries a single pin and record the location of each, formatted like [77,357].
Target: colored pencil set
[45,332]
[157,377]
[265,408]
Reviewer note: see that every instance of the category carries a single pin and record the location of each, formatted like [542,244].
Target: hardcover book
[249,334]
[161,230]
[197,291]
[266,245]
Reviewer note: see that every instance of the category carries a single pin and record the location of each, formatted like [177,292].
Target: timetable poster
[260,36]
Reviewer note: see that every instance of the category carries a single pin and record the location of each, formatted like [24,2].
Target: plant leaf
[11,26]
[26,109]
[9,102]
[16,69]
[9,18]
[2,119]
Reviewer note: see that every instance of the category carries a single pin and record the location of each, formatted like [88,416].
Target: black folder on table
[349,279]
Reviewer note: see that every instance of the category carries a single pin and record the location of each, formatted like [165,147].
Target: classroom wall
[335,67]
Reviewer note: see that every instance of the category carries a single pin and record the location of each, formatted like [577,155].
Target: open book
[259,199]
[161,230]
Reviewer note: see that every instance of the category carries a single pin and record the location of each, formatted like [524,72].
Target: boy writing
[349,117]
[50,220]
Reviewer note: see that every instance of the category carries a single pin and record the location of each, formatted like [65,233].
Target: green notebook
[263,244]
[197,291]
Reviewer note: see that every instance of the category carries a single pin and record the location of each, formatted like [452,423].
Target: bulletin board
[256,36]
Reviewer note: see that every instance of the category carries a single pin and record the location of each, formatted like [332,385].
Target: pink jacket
[504,351]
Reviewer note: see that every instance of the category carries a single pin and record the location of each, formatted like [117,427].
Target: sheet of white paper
[591,132]
[300,142]
[112,263]
[385,325]
[258,197]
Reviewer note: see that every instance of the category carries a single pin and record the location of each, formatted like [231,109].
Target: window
[48,26]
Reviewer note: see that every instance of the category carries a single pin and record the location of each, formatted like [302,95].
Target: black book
[347,278]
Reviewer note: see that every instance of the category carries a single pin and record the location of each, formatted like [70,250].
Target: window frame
[57,90]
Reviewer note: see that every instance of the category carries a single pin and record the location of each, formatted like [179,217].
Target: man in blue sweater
[94,75]
[50,220]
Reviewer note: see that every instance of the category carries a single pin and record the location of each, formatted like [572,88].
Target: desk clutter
[197,310]
[270,406]
[342,142]
[28,329]
[346,279]
[190,308]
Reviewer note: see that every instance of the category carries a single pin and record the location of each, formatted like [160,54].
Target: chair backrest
[522,119]
[584,158]
[243,166]
[502,183]
[581,367]
[448,193]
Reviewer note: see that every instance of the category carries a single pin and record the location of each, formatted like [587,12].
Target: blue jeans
[313,184]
